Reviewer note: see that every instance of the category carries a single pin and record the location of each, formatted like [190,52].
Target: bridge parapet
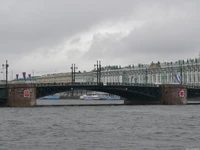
[99,84]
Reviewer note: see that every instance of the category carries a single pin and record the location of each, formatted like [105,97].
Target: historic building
[160,73]
[181,71]
[55,78]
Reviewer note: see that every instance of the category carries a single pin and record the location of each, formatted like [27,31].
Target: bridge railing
[64,84]
[132,84]
[99,84]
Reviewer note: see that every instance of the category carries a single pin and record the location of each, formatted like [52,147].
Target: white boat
[92,97]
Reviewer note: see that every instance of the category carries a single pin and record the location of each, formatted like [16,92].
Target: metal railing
[97,84]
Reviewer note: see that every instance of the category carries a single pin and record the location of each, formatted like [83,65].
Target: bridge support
[170,94]
[21,95]
[173,94]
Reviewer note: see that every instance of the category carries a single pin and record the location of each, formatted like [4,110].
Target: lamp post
[72,73]
[75,71]
[6,66]
[98,65]
[73,68]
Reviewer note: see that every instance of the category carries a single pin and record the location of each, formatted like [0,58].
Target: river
[55,126]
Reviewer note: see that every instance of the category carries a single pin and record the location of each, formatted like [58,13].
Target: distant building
[185,71]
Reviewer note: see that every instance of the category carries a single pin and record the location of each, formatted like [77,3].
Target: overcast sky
[47,36]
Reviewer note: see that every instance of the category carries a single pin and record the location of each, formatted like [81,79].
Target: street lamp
[73,68]
[6,66]
[98,65]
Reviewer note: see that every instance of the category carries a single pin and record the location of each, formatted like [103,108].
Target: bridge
[133,93]
[128,91]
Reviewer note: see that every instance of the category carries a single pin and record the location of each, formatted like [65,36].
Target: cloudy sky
[47,36]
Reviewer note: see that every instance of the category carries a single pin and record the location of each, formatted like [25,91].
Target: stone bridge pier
[171,94]
[21,95]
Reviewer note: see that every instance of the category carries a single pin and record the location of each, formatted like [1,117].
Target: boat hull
[110,98]
[90,97]
[51,98]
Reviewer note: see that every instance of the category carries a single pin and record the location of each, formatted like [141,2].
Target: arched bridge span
[127,91]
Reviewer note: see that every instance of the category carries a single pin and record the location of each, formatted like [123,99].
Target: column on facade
[129,76]
[160,76]
[117,77]
[139,76]
[183,74]
[157,72]
[114,77]
[151,76]
[111,76]
[142,76]
[168,76]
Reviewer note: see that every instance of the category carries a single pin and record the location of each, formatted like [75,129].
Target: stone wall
[171,94]
[16,96]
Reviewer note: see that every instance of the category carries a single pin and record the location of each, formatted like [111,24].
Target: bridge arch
[126,92]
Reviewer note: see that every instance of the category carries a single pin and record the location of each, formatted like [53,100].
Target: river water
[114,127]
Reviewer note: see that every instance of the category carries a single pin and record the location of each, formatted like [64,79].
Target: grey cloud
[76,40]
[170,39]
[170,30]
[32,24]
